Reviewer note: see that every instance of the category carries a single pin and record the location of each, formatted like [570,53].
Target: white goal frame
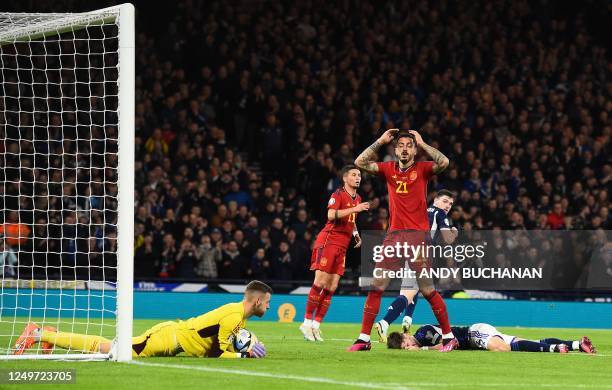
[57,23]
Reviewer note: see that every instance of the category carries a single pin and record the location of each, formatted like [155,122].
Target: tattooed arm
[367,159]
[440,160]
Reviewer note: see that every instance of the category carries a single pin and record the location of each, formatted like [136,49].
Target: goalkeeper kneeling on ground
[208,335]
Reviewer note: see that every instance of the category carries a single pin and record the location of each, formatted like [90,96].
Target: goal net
[66,178]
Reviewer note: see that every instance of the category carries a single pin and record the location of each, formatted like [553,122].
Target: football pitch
[293,363]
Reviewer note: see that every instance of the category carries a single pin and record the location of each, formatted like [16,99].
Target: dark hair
[345,169]
[256,285]
[394,341]
[445,193]
[405,134]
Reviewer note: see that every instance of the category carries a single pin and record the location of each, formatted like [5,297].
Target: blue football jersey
[438,221]
[430,335]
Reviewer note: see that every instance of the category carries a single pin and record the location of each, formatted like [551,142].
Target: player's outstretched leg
[582,345]
[536,346]
[370,311]
[50,338]
[72,341]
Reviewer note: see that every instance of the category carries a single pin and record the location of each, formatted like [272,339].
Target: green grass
[293,363]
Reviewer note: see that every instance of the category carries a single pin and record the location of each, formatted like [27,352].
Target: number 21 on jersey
[402,187]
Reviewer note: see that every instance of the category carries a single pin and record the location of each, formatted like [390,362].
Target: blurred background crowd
[247,110]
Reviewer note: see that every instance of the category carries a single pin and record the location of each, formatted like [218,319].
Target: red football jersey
[407,194]
[339,232]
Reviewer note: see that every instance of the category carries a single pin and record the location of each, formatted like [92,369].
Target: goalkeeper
[208,335]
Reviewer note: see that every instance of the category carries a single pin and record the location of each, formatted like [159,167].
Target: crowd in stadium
[246,112]
[518,100]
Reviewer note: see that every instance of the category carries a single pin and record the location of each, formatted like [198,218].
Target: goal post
[67,181]
[125,212]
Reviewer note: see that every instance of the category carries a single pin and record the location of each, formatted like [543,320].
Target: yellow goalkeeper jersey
[210,334]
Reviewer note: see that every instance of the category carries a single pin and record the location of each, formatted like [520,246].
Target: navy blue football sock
[569,343]
[529,346]
[396,308]
[410,308]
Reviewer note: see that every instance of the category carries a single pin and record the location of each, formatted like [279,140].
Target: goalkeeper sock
[74,341]
[314,297]
[439,310]
[324,303]
[531,346]
[572,345]
[410,308]
[370,311]
[400,303]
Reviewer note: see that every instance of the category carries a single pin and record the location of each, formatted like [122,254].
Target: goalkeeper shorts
[160,340]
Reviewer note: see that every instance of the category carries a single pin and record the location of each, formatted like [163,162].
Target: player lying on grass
[441,233]
[484,336]
[208,335]
[329,250]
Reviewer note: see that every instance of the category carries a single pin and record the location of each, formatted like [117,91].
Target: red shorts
[413,240]
[328,259]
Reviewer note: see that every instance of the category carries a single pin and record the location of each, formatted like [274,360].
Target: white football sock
[364,337]
[307,322]
[316,324]
[448,336]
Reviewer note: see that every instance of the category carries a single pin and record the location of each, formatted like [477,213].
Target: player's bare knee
[328,281]
[320,279]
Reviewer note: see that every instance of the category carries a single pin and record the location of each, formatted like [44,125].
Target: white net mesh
[58,176]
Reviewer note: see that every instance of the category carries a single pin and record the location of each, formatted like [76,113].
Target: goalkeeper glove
[258,351]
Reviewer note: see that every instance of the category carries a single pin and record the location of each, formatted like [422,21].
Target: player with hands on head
[406,181]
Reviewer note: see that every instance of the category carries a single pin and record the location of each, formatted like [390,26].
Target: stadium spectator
[260,266]
[233,265]
[146,260]
[556,218]
[208,258]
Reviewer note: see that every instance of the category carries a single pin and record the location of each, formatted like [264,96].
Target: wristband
[355,233]
[424,348]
